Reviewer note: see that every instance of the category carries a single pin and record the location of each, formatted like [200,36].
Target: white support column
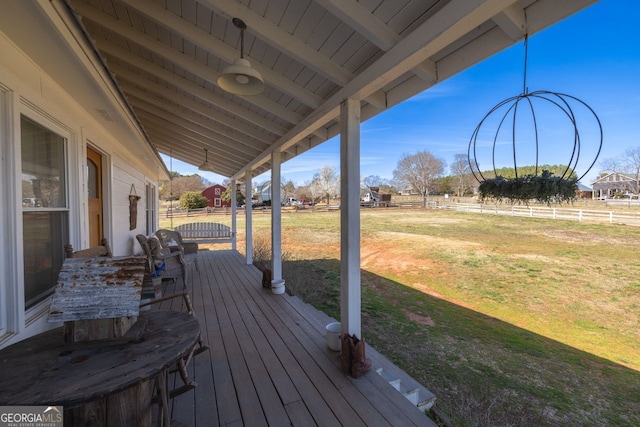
[350,292]
[277,284]
[234,212]
[248,212]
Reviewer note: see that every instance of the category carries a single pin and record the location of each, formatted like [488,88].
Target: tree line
[420,173]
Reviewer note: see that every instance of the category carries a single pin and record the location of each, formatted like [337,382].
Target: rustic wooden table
[97,298]
[99,380]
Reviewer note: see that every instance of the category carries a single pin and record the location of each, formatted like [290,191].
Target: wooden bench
[206,232]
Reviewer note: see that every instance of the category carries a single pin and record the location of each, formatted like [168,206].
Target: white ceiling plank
[282,40]
[186,62]
[196,90]
[194,123]
[231,137]
[209,112]
[192,147]
[373,29]
[190,152]
[449,24]
[286,42]
[362,21]
[225,52]
[159,118]
[160,127]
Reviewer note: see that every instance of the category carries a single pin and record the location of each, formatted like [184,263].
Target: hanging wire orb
[527,123]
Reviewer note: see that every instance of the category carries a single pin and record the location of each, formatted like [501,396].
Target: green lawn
[509,321]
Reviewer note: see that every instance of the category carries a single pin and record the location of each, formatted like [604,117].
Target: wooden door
[94,187]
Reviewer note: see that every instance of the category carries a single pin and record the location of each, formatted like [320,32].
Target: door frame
[105,189]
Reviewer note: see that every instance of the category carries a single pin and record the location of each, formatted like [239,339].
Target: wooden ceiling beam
[197,91]
[176,102]
[199,70]
[373,29]
[233,136]
[225,144]
[512,21]
[222,50]
[271,34]
[193,140]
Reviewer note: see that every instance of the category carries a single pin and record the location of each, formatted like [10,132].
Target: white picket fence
[543,212]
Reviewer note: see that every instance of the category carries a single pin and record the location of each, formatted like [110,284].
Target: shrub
[262,251]
[544,188]
[193,200]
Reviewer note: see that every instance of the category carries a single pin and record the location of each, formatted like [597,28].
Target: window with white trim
[45,211]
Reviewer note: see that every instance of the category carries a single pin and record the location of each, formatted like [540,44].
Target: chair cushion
[154,245]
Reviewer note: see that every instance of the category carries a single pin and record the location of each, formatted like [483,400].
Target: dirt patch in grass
[590,238]
[423,320]
[509,321]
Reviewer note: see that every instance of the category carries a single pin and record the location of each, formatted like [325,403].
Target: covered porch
[268,362]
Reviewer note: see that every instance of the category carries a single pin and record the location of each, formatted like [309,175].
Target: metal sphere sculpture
[541,185]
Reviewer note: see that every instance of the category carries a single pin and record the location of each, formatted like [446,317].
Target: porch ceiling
[166,56]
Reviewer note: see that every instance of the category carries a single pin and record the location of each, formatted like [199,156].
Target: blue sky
[593,55]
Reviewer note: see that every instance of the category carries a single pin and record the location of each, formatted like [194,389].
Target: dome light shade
[240,79]
[205,166]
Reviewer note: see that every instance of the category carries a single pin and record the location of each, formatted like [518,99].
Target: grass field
[509,321]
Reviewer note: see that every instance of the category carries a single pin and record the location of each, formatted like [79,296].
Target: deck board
[268,363]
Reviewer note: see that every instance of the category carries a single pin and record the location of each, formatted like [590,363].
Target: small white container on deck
[333,336]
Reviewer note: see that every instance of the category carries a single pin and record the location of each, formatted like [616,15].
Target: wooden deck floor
[268,363]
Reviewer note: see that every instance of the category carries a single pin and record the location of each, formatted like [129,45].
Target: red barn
[213,194]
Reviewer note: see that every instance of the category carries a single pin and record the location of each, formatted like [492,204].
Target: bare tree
[328,182]
[374,181]
[173,189]
[419,171]
[461,171]
[288,189]
[628,164]
[313,188]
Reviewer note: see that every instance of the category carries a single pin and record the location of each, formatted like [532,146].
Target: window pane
[43,173]
[92,180]
[45,229]
[44,236]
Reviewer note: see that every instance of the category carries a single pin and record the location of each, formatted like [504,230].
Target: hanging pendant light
[239,78]
[205,166]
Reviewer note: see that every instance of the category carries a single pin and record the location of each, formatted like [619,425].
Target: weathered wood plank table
[102,382]
[97,298]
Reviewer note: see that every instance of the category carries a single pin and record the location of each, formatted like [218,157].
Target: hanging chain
[525,89]
[241,42]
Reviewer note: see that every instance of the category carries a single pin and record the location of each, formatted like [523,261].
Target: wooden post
[350,292]
[234,204]
[276,224]
[248,212]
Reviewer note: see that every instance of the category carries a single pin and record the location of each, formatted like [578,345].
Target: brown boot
[360,363]
[345,354]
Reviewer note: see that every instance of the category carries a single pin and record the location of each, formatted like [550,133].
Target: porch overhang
[164,59]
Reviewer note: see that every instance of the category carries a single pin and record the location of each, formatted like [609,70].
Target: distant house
[409,191]
[214,195]
[613,185]
[584,192]
[262,193]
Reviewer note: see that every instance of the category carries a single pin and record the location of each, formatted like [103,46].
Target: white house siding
[26,89]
